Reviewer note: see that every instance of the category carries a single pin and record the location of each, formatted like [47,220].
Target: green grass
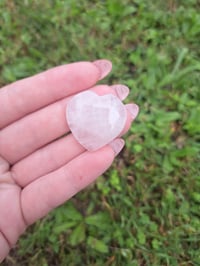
[146,209]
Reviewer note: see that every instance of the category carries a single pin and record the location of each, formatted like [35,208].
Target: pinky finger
[50,191]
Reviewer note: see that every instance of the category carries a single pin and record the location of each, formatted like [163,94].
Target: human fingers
[55,155]
[55,188]
[4,247]
[30,94]
[42,127]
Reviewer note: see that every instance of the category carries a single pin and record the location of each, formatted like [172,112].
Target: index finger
[30,94]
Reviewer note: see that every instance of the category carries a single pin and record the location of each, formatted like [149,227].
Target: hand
[40,168]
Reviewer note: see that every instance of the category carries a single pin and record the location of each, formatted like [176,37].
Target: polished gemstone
[95,120]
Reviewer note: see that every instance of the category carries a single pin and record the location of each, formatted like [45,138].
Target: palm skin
[40,166]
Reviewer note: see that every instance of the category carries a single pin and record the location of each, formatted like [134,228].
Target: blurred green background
[146,209]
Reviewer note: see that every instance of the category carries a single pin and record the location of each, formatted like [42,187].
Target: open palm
[40,166]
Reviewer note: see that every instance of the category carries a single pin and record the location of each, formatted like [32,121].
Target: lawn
[145,210]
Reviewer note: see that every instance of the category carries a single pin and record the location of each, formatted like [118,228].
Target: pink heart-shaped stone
[95,120]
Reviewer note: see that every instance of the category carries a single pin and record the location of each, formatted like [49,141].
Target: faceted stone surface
[95,120]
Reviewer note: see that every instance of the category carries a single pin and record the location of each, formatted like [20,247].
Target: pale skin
[40,168]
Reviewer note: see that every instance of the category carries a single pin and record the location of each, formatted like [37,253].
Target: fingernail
[133,109]
[117,145]
[122,91]
[104,67]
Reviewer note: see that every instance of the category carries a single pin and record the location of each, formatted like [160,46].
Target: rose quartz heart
[95,120]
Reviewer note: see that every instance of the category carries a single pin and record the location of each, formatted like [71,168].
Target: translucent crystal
[95,120]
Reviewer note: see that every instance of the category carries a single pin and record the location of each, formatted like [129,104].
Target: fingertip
[104,66]
[122,91]
[133,110]
[117,145]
